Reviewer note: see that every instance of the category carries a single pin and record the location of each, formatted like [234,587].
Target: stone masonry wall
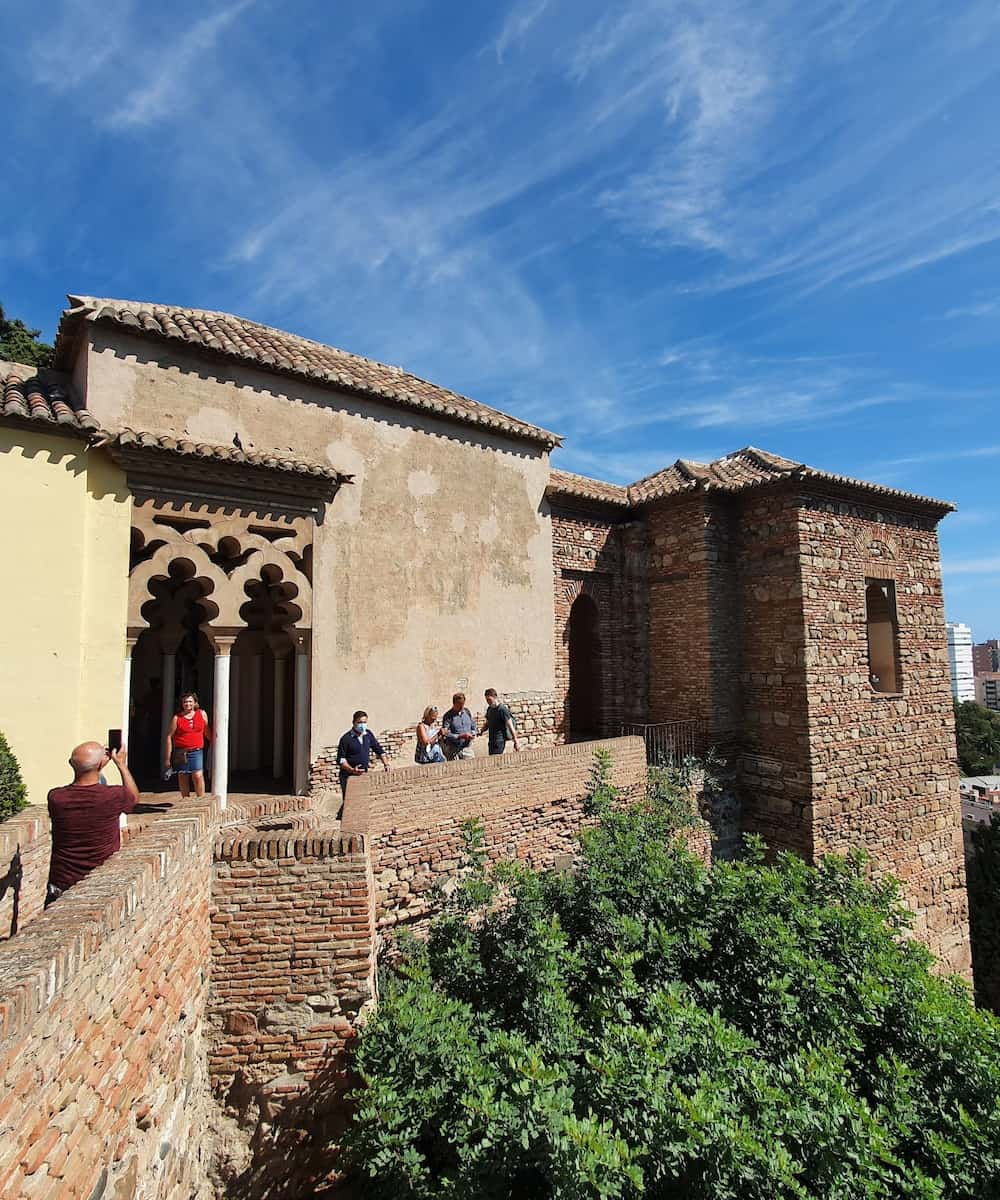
[25,846]
[293,967]
[774,748]
[680,634]
[531,805]
[102,1070]
[884,772]
[597,554]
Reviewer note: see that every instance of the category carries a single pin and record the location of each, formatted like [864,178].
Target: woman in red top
[185,747]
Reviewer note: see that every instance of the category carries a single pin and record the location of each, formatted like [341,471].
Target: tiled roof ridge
[274,349]
[741,470]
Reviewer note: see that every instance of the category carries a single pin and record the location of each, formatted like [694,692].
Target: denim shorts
[195,762]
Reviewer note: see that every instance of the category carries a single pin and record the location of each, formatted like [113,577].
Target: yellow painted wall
[64,544]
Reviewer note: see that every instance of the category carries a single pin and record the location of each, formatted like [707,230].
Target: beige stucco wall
[433,570]
[64,538]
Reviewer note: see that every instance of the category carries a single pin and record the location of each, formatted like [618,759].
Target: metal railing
[670,742]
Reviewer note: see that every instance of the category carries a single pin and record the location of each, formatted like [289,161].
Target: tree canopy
[644,1027]
[977,731]
[20,344]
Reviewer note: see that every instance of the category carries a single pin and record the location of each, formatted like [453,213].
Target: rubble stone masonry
[883,766]
[531,805]
[293,967]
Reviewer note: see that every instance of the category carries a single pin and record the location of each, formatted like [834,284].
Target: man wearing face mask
[356,748]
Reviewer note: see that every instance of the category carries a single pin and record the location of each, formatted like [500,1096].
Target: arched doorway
[171,656]
[585,670]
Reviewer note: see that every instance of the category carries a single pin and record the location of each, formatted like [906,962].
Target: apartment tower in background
[963,685]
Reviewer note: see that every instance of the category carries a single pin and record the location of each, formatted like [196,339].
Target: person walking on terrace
[184,750]
[459,728]
[84,815]
[355,749]
[428,749]
[499,723]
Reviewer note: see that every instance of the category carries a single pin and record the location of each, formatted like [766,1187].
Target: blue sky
[661,229]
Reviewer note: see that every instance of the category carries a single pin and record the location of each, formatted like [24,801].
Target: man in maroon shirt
[84,816]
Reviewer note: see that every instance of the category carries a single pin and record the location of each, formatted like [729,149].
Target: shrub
[646,1028]
[984,912]
[13,793]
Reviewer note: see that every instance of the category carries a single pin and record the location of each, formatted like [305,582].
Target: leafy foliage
[977,731]
[13,793]
[20,344]
[984,912]
[646,1028]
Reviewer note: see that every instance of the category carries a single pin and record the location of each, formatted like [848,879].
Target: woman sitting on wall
[428,738]
[184,752]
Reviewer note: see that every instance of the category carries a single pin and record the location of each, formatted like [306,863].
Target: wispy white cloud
[983,308]
[925,457]
[171,68]
[517,24]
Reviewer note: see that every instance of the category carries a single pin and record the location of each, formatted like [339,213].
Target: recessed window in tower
[883,635]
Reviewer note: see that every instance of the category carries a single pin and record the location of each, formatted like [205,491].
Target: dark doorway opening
[585,662]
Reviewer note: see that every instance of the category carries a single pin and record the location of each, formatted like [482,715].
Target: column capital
[170,639]
[221,640]
[301,640]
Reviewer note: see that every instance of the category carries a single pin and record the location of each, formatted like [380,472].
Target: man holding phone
[84,814]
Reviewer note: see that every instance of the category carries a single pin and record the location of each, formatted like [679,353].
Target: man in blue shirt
[355,749]
[459,729]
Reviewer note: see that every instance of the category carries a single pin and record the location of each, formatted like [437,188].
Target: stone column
[130,642]
[280,649]
[220,716]
[300,639]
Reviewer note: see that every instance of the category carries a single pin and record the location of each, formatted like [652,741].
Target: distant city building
[963,686]
[988,689]
[986,657]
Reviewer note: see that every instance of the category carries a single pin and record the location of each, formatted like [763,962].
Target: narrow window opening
[883,635]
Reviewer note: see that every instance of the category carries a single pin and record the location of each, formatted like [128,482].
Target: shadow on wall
[11,882]
[286,1162]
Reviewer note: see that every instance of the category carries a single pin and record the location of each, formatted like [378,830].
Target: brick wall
[774,748]
[884,772]
[102,1075]
[293,965]
[530,803]
[597,554]
[25,846]
[680,635]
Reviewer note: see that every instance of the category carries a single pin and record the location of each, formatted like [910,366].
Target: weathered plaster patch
[421,483]
[489,527]
[213,425]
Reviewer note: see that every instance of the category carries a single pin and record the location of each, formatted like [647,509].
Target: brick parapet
[293,969]
[531,805]
[25,848]
[101,1061]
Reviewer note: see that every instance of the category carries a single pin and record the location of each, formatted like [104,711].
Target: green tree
[13,793]
[643,1027]
[977,732]
[984,911]
[20,344]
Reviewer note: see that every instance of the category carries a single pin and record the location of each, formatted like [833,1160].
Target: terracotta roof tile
[565,483]
[45,400]
[738,472]
[286,353]
[136,439]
